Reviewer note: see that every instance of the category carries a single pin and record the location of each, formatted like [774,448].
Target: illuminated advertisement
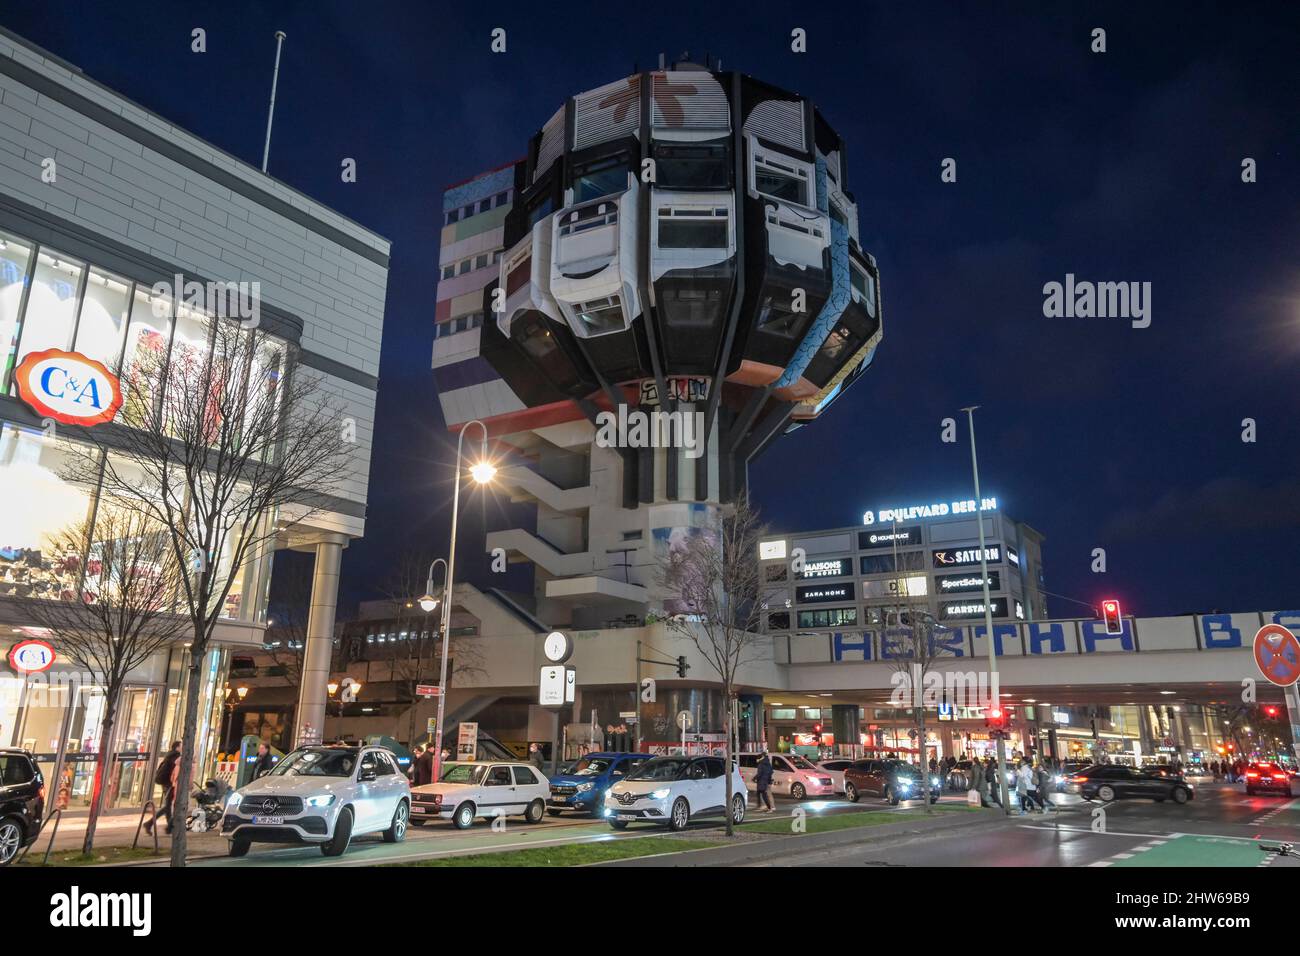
[887,539]
[960,583]
[915,586]
[962,557]
[821,593]
[935,509]
[970,609]
[832,568]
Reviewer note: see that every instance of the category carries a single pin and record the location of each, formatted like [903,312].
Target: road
[1217,829]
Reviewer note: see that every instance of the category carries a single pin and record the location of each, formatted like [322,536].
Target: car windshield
[905,770]
[660,768]
[463,773]
[317,763]
[801,763]
[591,766]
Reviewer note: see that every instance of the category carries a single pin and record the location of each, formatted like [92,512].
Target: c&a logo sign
[69,387]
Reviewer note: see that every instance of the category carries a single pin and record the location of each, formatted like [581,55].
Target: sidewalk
[119,829]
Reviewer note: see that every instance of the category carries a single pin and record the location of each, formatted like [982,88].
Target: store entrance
[134,751]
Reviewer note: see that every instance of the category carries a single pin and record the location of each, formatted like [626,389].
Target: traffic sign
[1277,654]
[426,690]
[684,719]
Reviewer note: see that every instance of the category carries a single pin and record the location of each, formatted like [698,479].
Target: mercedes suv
[322,796]
[22,802]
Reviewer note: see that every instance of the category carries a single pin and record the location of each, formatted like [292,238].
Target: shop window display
[31,564]
[103,317]
[15,257]
[51,304]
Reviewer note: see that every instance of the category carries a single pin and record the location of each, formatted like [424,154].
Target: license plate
[556,799]
[270,821]
[420,809]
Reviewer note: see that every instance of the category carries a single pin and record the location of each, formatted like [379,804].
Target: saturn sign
[68,387]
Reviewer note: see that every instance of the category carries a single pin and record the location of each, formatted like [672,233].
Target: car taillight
[1279,776]
[1251,776]
[1078,780]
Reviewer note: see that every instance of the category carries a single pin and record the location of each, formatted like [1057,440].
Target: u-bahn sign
[1277,654]
[68,387]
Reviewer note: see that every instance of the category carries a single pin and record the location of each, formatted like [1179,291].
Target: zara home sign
[68,387]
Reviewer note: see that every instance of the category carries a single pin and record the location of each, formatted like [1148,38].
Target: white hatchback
[323,796]
[672,791]
[792,775]
[486,788]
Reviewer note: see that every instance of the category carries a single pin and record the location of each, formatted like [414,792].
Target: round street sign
[684,719]
[1277,654]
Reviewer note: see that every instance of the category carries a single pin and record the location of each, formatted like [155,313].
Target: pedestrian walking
[1046,784]
[423,768]
[535,756]
[763,784]
[164,777]
[416,752]
[1024,782]
[978,783]
[263,763]
[991,780]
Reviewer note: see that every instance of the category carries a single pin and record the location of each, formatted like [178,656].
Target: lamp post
[428,602]
[1004,798]
[482,471]
[241,692]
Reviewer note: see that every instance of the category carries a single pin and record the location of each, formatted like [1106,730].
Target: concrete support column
[1292,695]
[309,720]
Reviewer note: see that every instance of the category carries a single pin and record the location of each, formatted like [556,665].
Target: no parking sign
[1277,654]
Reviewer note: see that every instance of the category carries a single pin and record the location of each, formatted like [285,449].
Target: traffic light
[995,718]
[1270,711]
[682,666]
[817,732]
[1110,613]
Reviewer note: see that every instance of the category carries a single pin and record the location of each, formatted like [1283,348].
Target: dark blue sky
[1123,166]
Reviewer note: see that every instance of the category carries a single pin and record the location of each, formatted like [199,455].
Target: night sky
[1122,166]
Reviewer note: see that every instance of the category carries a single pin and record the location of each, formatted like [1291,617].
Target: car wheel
[337,845]
[553,813]
[934,798]
[797,791]
[618,824]
[1180,795]
[737,809]
[851,792]
[680,815]
[1106,793]
[890,797]
[535,812]
[239,847]
[11,840]
[396,831]
[464,816]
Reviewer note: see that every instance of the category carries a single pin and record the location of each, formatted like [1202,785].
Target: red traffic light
[1270,710]
[817,728]
[1112,616]
[995,713]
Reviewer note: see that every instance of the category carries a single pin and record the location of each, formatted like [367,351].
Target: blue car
[583,788]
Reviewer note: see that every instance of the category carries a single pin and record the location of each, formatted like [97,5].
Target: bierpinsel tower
[682,240]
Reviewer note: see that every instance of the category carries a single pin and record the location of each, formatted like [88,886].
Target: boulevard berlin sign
[936,509]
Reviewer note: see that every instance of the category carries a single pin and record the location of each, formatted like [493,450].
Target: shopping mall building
[100,199]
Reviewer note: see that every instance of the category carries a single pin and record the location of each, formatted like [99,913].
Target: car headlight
[584,787]
[1059,778]
[934,781]
[904,784]
[324,800]
[660,794]
[235,799]
[609,793]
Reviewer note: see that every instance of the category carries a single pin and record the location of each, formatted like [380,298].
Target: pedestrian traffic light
[995,718]
[817,732]
[1270,711]
[682,666]
[1110,613]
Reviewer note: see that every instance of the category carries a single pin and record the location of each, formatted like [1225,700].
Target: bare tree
[118,616]
[917,643]
[227,442]
[714,595]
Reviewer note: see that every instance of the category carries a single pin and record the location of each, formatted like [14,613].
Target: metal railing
[57,816]
[153,830]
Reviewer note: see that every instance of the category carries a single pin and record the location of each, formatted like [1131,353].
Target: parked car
[959,777]
[835,768]
[792,775]
[1107,782]
[323,796]
[22,802]
[672,791]
[482,788]
[891,780]
[583,786]
[1267,777]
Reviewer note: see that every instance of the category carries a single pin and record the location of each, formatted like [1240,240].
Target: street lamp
[428,603]
[482,471]
[988,617]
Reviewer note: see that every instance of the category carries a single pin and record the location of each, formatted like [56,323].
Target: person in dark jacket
[264,762]
[422,772]
[763,783]
[162,777]
[991,778]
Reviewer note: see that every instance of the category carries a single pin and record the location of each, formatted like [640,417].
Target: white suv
[792,775]
[673,790]
[483,789]
[323,796]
